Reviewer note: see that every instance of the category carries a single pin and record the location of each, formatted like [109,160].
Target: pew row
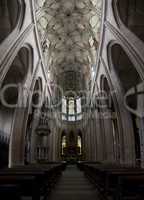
[117,183]
[32,180]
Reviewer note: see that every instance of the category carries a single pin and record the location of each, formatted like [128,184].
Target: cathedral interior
[72,99]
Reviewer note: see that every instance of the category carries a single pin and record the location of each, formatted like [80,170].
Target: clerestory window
[71,109]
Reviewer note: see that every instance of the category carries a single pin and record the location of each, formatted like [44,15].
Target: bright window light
[71,119]
[78,105]
[64,118]
[64,105]
[79,117]
[71,106]
[71,109]
[79,144]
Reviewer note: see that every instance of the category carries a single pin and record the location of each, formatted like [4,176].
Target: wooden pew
[32,180]
[125,184]
[9,191]
[52,171]
[28,184]
[111,180]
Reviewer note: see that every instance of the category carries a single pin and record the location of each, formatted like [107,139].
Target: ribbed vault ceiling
[69,31]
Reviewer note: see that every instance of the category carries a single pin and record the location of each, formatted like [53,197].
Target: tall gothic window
[71,106]
[71,109]
[78,106]
[64,105]
[63,144]
[79,144]
[78,109]
[64,109]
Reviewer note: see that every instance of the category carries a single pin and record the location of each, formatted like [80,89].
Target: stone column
[34,136]
[18,130]
[99,137]
[16,147]
[94,136]
[92,139]
[109,136]
[88,141]
[140,122]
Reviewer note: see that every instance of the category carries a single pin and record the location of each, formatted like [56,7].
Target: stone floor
[73,186]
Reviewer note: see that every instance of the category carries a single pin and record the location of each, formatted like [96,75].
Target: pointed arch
[129,79]
[131,13]
[11,16]
[12,99]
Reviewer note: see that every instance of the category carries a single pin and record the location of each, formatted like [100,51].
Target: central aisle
[73,186]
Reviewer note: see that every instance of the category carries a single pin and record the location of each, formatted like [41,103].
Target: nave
[73,185]
[66,181]
[72,99]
